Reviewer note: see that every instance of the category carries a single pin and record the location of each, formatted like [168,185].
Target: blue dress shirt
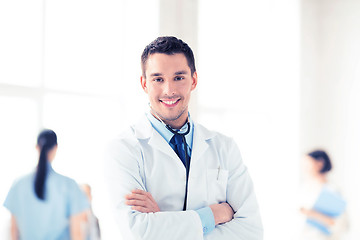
[205,214]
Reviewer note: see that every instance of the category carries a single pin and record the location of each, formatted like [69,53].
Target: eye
[178,78]
[158,80]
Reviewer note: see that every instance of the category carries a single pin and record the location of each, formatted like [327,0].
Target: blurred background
[282,77]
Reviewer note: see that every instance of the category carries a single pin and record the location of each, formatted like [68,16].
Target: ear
[143,83]
[319,165]
[194,81]
[52,153]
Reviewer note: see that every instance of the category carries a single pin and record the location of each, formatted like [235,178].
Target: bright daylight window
[74,67]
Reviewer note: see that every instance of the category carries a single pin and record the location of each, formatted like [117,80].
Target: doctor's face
[168,82]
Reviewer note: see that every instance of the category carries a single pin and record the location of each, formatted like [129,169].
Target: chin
[170,118]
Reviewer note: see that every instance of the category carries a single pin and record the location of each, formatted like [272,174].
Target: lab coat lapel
[156,141]
[200,144]
[198,164]
[144,130]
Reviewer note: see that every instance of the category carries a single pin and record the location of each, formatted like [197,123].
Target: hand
[318,216]
[141,201]
[223,212]
[304,211]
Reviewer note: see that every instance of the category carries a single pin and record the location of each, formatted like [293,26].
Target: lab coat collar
[144,130]
[200,141]
[166,134]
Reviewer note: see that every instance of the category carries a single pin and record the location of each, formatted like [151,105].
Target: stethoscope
[187,158]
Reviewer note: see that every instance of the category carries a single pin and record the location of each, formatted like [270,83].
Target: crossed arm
[142,201]
[137,207]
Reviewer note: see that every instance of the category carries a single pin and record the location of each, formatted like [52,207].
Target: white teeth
[170,102]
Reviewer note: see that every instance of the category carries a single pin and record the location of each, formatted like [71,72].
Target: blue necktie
[177,141]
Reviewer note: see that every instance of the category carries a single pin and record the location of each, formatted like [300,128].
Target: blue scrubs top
[49,218]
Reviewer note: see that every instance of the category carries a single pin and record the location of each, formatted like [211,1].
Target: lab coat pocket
[216,185]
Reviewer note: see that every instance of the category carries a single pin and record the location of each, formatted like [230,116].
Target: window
[74,67]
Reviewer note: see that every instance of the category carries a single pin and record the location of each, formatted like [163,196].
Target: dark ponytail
[46,141]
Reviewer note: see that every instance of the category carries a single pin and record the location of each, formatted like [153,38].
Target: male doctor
[170,177]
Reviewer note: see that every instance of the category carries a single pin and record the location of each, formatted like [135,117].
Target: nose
[169,88]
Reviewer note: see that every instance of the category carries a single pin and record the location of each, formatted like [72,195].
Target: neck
[175,124]
[320,178]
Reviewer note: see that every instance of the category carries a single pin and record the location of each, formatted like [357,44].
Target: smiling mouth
[170,102]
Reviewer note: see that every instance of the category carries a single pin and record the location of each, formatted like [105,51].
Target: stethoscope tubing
[187,158]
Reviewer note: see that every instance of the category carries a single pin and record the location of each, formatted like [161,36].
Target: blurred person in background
[91,226]
[44,204]
[321,202]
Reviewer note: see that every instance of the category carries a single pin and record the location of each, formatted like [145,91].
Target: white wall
[72,66]
[330,112]
[248,68]
[248,62]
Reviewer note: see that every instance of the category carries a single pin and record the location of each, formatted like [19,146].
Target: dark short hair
[320,155]
[168,45]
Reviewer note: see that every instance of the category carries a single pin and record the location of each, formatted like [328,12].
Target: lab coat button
[204,229]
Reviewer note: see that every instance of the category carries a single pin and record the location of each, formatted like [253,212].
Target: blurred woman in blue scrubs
[45,204]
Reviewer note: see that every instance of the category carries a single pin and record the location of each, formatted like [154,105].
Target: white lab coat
[141,158]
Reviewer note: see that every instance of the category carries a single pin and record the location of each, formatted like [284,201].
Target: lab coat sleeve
[123,172]
[246,224]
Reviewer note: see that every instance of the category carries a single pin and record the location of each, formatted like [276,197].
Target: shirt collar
[49,167]
[166,134]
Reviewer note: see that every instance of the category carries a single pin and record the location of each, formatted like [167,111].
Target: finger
[154,205]
[141,209]
[139,191]
[135,203]
[136,197]
[147,200]
[152,201]
[150,197]
[143,203]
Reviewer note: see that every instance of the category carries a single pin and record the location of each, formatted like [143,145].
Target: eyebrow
[181,72]
[176,73]
[155,74]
